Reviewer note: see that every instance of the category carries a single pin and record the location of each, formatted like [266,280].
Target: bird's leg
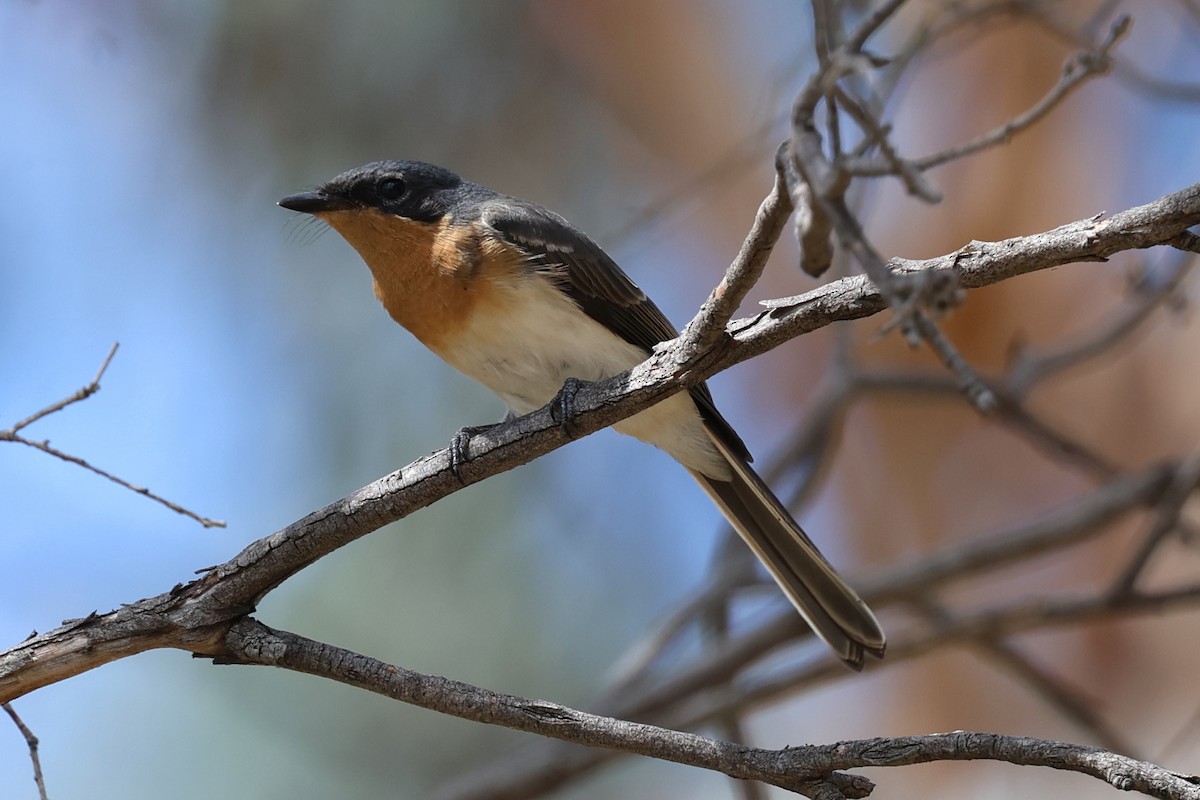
[562,407]
[562,411]
[460,443]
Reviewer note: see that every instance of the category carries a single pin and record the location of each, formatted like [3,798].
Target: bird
[520,300]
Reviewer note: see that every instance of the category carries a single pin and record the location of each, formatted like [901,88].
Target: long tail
[834,611]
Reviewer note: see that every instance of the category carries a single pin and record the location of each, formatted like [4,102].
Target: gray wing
[601,289]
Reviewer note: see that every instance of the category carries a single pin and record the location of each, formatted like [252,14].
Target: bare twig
[870,24]
[1078,69]
[708,326]
[1154,287]
[53,451]
[1184,484]
[820,191]
[83,394]
[12,434]
[970,383]
[818,184]
[1011,413]
[31,741]
[1054,442]
[1123,70]
[993,623]
[877,135]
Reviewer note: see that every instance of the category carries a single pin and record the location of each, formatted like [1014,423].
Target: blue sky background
[143,146]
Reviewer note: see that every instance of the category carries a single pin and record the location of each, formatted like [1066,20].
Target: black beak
[314,203]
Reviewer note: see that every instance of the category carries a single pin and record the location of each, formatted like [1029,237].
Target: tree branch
[684,698]
[193,616]
[199,617]
[1078,69]
[83,394]
[810,770]
[31,741]
[251,642]
[1120,772]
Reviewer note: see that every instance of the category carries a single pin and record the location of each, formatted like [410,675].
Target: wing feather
[555,247]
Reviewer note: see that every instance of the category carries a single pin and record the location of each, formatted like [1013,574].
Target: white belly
[526,352]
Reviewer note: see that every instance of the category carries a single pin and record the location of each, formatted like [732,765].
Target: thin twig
[1156,286]
[878,135]
[1001,621]
[819,189]
[970,383]
[53,451]
[83,394]
[1123,70]
[870,24]
[1052,441]
[1166,519]
[708,326]
[1077,70]
[31,741]
[12,435]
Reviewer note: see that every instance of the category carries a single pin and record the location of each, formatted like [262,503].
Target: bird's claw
[460,445]
[562,407]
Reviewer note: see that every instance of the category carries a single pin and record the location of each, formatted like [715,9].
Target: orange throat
[423,271]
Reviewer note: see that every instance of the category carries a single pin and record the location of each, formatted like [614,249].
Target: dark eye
[390,189]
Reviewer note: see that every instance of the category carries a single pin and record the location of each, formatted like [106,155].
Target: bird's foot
[460,444]
[562,407]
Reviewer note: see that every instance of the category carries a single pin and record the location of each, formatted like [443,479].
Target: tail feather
[834,610]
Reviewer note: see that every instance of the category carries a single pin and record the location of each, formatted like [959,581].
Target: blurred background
[143,147]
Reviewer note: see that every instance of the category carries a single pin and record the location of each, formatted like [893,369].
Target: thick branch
[251,642]
[810,770]
[978,264]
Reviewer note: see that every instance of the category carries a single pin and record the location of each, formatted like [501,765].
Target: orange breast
[429,276]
